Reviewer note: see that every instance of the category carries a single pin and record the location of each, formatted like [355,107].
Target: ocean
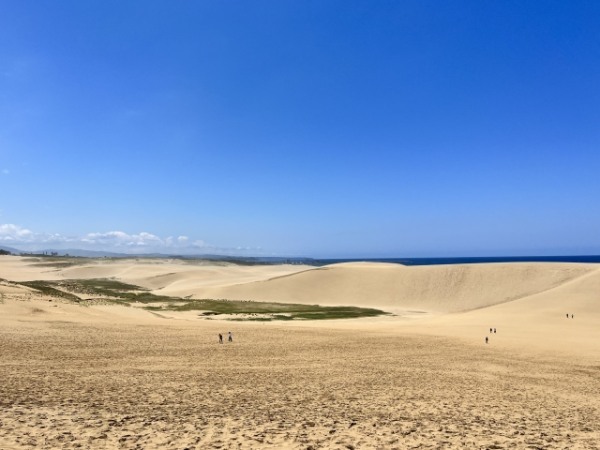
[465,260]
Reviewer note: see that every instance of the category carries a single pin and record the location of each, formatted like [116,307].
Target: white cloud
[179,241]
[111,241]
[18,235]
[10,232]
[122,239]
[5,171]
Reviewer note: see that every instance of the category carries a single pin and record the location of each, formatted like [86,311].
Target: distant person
[567,315]
[220,338]
[486,339]
[572,316]
[490,330]
[230,337]
[494,331]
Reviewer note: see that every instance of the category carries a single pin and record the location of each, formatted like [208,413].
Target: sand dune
[150,273]
[529,299]
[104,377]
[439,289]
[536,321]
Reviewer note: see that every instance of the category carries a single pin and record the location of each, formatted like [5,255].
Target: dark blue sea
[252,260]
[467,260]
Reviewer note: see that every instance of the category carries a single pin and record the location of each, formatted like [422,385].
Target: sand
[121,377]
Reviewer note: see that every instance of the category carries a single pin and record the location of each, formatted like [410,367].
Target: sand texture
[121,377]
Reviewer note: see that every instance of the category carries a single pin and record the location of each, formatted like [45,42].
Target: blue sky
[308,128]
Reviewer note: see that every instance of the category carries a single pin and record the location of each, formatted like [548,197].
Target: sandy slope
[151,273]
[118,377]
[83,385]
[450,288]
[526,302]
[537,321]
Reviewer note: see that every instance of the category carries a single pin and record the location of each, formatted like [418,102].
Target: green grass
[277,311]
[102,286]
[58,262]
[125,294]
[47,288]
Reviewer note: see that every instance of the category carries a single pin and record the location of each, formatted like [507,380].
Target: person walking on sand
[486,339]
[230,337]
[494,331]
[220,338]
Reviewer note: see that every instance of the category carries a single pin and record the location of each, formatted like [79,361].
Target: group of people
[492,330]
[229,337]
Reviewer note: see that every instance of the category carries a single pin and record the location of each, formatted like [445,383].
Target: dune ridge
[435,289]
[440,289]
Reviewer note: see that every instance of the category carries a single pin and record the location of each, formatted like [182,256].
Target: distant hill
[82,253]
[10,249]
[241,260]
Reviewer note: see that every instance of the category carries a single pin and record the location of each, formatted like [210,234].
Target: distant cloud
[5,171]
[122,239]
[110,241]
[10,232]
[15,234]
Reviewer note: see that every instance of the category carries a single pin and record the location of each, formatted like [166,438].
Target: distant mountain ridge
[67,252]
[82,253]
[9,249]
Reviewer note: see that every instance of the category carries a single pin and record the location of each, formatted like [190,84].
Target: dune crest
[443,289]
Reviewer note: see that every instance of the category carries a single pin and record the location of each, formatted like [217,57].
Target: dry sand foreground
[117,377]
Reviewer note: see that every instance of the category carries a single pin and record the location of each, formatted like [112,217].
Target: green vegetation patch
[126,294]
[57,262]
[48,288]
[274,311]
[101,286]
[115,291]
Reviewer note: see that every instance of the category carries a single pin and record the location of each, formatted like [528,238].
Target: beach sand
[121,377]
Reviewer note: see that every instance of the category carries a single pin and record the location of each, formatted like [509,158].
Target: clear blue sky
[313,128]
